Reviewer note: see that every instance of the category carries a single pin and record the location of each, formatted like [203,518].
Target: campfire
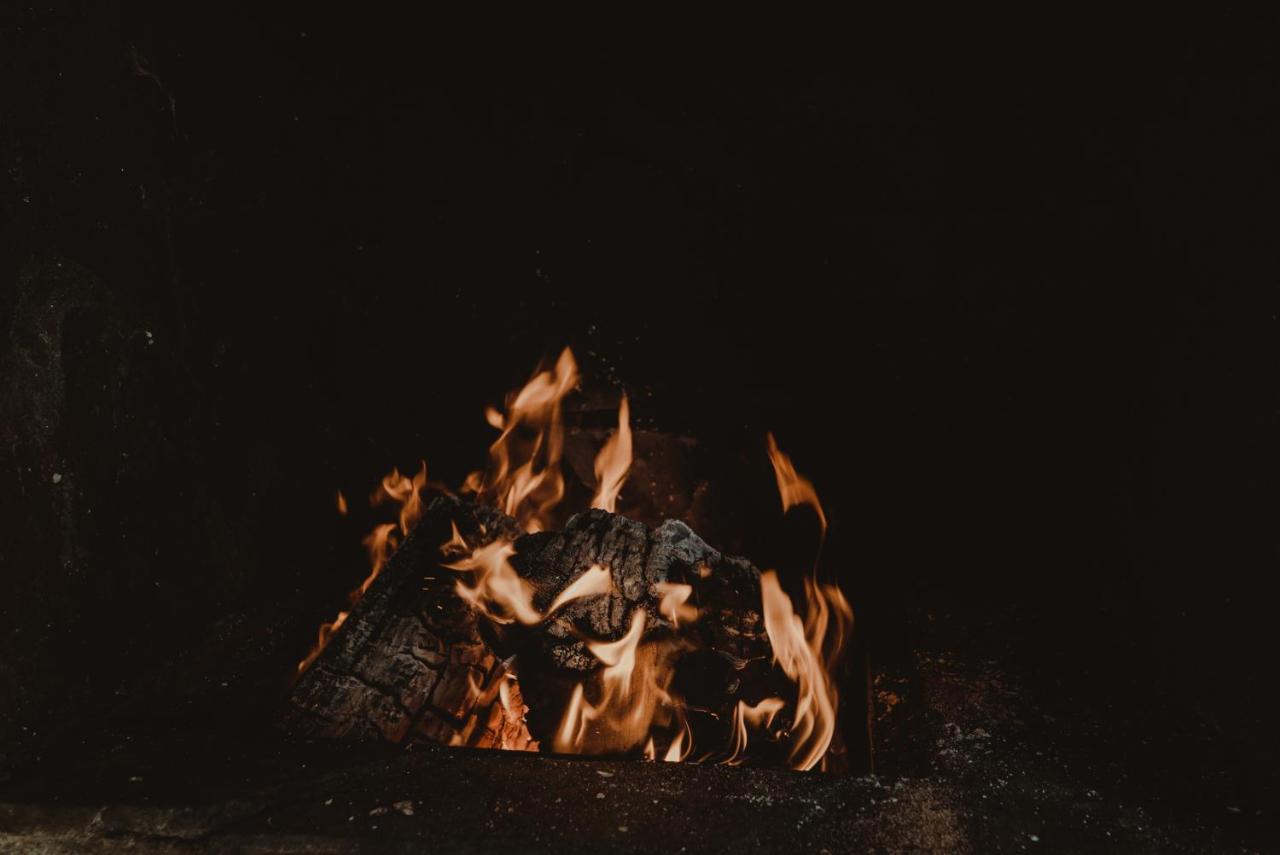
[482,624]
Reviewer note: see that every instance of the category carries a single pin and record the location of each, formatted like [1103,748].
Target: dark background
[1011,306]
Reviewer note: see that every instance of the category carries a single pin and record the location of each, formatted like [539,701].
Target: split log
[401,666]
[413,659]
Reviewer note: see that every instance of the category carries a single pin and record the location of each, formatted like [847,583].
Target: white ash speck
[599,795]
[57,477]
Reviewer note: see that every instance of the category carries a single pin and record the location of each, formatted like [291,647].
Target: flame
[797,648]
[502,595]
[411,504]
[380,542]
[326,632]
[808,650]
[455,543]
[524,477]
[678,752]
[633,698]
[573,723]
[759,715]
[597,580]
[473,483]
[830,620]
[497,590]
[613,462]
[673,605]
[794,488]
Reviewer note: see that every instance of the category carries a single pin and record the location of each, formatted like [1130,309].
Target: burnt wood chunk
[414,660]
[639,559]
[403,661]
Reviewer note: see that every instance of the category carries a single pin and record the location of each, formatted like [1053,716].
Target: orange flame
[759,715]
[497,591]
[800,656]
[455,544]
[524,478]
[678,751]
[673,606]
[326,632]
[633,698]
[794,488]
[380,542]
[407,493]
[808,651]
[597,580]
[613,462]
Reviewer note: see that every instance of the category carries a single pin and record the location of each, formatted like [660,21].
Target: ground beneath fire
[975,754]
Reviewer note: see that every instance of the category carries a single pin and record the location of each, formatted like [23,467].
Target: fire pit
[483,628]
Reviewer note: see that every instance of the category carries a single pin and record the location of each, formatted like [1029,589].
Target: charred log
[721,656]
[404,663]
[414,660]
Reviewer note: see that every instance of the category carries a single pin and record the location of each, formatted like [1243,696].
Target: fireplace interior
[1003,312]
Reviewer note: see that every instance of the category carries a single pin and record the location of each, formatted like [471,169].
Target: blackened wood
[409,660]
[403,663]
[721,657]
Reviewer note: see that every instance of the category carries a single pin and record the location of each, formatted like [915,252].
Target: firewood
[414,660]
[403,661]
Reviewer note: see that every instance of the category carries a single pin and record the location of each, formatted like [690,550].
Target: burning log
[622,638]
[416,660]
[405,662]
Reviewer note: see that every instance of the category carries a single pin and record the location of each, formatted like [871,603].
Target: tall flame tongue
[808,650]
[794,488]
[613,462]
[497,591]
[380,542]
[524,477]
[632,699]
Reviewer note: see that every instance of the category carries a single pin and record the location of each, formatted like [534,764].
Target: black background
[1011,306]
